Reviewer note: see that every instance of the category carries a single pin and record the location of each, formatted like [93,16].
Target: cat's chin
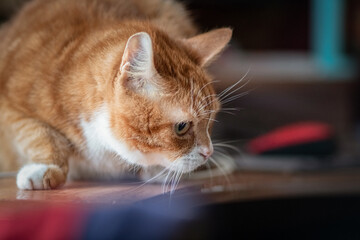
[186,165]
[158,173]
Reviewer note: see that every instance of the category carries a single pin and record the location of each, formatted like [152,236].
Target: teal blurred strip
[328,33]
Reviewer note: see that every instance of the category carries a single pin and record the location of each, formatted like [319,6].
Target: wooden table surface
[241,186]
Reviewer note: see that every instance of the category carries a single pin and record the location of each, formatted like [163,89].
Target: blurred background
[302,63]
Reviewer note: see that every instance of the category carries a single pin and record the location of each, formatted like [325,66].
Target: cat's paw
[37,176]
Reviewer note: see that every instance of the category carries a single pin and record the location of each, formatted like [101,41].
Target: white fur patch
[30,177]
[106,155]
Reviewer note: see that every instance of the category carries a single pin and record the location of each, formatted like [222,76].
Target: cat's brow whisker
[233,98]
[200,103]
[207,112]
[207,84]
[232,86]
[204,106]
[230,109]
[211,119]
[228,112]
[234,91]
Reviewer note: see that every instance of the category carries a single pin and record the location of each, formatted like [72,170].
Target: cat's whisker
[225,141]
[171,187]
[163,186]
[165,183]
[211,119]
[171,180]
[210,172]
[207,84]
[224,145]
[176,181]
[232,98]
[228,112]
[222,98]
[151,179]
[177,184]
[229,109]
[232,86]
[211,159]
[206,113]
[201,102]
[204,106]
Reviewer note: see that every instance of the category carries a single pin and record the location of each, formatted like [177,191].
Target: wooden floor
[239,186]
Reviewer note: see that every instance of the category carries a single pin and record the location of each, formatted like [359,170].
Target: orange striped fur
[66,68]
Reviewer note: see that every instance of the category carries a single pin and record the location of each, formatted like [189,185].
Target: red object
[42,223]
[291,135]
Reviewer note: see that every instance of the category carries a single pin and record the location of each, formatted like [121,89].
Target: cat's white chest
[101,154]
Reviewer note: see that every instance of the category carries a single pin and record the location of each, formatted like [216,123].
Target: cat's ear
[208,45]
[137,65]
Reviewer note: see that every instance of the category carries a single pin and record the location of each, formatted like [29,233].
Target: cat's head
[164,104]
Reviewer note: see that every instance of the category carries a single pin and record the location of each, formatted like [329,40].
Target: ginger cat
[92,88]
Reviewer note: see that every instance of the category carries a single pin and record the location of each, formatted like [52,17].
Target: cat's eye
[182,127]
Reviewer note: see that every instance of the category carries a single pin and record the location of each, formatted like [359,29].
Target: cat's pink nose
[206,152]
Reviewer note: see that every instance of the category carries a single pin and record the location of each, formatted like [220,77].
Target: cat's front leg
[45,150]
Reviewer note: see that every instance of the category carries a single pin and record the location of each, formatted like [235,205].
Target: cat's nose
[206,152]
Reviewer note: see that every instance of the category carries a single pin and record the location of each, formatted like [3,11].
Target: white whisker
[176,181]
[224,145]
[211,119]
[221,169]
[232,86]
[232,98]
[234,91]
[210,172]
[165,182]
